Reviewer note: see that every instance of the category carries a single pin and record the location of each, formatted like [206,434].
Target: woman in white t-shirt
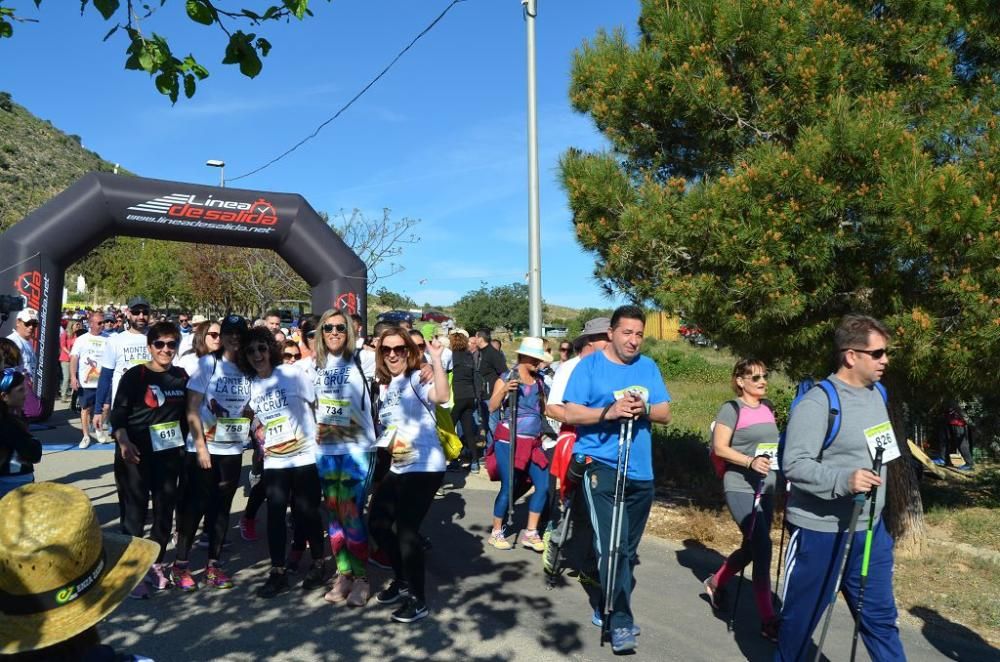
[409,430]
[206,339]
[281,404]
[217,394]
[345,437]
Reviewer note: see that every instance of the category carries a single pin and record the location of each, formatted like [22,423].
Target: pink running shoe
[182,578]
[217,578]
[157,578]
[248,529]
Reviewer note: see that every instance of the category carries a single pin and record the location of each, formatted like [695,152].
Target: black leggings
[301,486]
[157,474]
[208,492]
[397,509]
[462,413]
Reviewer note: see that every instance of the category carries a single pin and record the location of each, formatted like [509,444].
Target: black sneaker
[314,577]
[392,593]
[276,583]
[412,610]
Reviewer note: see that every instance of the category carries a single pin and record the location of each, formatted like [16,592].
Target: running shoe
[342,586]
[315,576]
[85,442]
[181,576]
[294,559]
[965,467]
[380,559]
[940,462]
[217,578]
[598,622]
[157,578]
[140,592]
[412,610]
[276,583]
[714,593]
[532,541]
[769,629]
[498,540]
[393,593]
[360,591]
[622,640]
[248,529]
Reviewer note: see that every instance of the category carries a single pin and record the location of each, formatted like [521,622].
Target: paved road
[486,604]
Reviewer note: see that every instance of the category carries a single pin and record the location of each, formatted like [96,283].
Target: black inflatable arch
[35,253]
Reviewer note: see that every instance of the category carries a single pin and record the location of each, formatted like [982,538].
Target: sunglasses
[258,349]
[182,321]
[874,353]
[398,350]
[564,349]
[288,356]
[421,345]
[108,322]
[330,328]
[757,378]
[160,344]
[139,311]
[214,335]
[31,323]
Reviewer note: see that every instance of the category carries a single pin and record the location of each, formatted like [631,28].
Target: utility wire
[353,99]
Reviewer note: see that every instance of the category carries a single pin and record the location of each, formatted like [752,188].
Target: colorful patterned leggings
[345,480]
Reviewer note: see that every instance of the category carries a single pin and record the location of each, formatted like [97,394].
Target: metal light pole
[221,165]
[534,231]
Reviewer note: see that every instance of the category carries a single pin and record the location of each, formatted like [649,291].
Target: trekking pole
[617,506]
[747,541]
[513,448]
[876,469]
[859,504]
[781,545]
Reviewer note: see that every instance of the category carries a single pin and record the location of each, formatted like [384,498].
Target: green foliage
[153,55]
[775,165]
[675,363]
[575,326]
[505,306]
[394,300]
[6,103]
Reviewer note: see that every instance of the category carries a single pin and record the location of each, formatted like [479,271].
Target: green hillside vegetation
[37,161]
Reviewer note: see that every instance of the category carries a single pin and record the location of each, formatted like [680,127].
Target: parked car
[395,316]
[434,316]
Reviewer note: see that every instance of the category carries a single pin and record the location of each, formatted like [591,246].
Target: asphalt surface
[485,604]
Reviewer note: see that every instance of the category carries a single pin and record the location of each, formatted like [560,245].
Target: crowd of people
[344,431]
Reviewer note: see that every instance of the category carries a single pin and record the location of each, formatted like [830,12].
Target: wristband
[749,462]
[604,412]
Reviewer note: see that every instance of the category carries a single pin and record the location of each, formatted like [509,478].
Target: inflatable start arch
[35,253]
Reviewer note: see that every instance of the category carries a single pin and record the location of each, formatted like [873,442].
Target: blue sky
[441,138]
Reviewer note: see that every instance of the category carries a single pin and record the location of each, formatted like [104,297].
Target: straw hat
[59,573]
[198,319]
[535,348]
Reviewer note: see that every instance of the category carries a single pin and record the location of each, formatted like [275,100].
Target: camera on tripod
[10,303]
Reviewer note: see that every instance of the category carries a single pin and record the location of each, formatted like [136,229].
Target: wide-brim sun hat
[534,347]
[60,574]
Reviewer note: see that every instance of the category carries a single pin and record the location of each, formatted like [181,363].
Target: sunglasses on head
[399,350]
[330,328]
[874,353]
[160,344]
[214,335]
[288,356]
[757,378]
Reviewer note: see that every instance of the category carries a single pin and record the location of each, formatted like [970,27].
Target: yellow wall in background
[661,326]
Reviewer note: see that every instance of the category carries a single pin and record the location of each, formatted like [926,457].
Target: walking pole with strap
[876,469]
[859,504]
[781,544]
[747,542]
[617,506]
[512,405]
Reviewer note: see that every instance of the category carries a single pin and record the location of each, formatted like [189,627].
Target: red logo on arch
[347,301]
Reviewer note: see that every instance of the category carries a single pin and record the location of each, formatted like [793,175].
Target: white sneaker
[84,443]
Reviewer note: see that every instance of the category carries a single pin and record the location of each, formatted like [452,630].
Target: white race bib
[332,411]
[278,431]
[166,435]
[882,436]
[771,451]
[231,430]
[387,437]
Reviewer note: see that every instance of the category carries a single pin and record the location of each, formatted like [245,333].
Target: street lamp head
[215,163]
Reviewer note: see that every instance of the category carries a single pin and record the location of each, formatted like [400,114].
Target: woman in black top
[18,449]
[150,424]
[464,391]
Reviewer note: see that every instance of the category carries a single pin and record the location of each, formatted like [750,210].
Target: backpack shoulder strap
[881,391]
[834,419]
[365,388]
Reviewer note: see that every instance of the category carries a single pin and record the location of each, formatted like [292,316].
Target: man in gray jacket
[824,482]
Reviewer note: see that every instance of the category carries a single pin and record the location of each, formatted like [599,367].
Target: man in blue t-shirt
[608,388]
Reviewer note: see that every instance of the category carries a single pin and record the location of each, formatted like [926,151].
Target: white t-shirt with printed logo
[409,426]
[123,351]
[226,391]
[283,417]
[89,350]
[343,410]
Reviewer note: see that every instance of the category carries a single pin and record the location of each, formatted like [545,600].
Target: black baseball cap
[135,302]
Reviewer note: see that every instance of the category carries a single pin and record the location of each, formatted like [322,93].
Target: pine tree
[775,164]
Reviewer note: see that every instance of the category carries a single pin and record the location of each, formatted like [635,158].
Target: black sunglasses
[258,349]
[108,322]
[564,349]
[874,353]
[330,328]
[160,344]
[139,311]
[31,323]
[213,334]
[399,350]
[289,355]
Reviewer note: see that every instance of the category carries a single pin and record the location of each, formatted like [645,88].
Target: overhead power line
[353,99]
